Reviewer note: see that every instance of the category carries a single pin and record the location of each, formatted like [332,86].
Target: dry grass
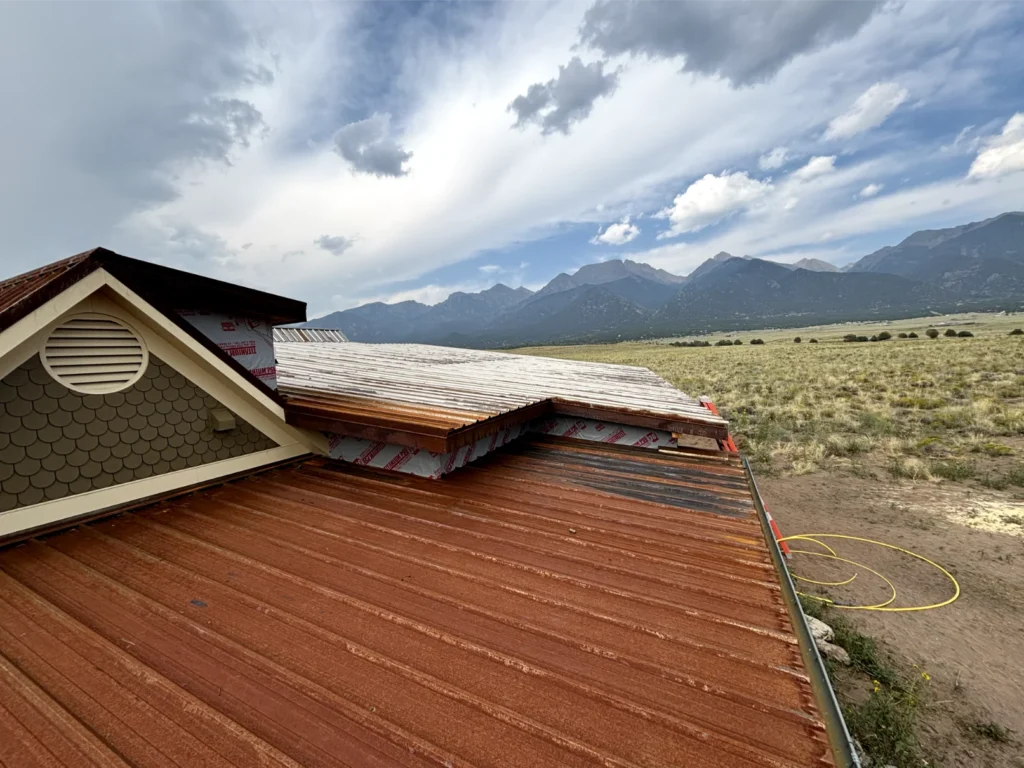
[915,408]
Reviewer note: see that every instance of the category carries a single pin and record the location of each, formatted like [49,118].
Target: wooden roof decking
[416,394]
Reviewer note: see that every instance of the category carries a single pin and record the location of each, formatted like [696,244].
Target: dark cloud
[185,241]
[368,146]
[104,105]
[566,99]
[336,244]
[746,41]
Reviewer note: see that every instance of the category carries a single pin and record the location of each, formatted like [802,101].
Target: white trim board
[48,512]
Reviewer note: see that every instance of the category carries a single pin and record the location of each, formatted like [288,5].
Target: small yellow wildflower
[926,676]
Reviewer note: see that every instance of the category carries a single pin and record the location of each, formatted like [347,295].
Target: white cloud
[617,234]
[870,190]
[816,166]
[433,293]
[966,142]
[710,199]
[1003,153]
[869,111]
[776,158]
[925,206]
[489,269]
[475,186]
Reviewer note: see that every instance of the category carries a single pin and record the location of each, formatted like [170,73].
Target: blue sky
[342,153]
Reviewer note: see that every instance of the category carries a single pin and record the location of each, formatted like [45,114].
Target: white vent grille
[95,354]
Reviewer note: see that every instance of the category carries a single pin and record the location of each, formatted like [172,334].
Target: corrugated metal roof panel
[306,335]
[557,605]
[21,293]
[462,386]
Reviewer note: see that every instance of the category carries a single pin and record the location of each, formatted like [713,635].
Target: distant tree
[757,341]
[1017,332]
[723,343]
[738,341]
[850,337]
[884,336]
[950,333]
[874,338]
[902,335]
[931,333]
[912,335]
[813,341]
[796,340]
[862,338]
[965,335]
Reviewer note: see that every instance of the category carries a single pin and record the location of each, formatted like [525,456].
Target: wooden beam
[649,421]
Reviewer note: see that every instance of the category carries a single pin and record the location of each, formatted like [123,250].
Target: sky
[354,152]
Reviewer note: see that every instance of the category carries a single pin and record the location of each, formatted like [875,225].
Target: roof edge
[839,737]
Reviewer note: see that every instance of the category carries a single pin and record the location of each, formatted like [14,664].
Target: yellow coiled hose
[831,555]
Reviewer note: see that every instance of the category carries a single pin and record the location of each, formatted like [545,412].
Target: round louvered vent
[95,354]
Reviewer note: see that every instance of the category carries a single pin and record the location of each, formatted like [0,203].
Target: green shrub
[965,335]
[1017,332]
[921,403]
[902,335]
[956,470]
[950,333]
[911,335]
[723,343]
[796,340]
[813,341]
[1015,477]
[996,449]
[885,725]
[931,333]
[757,341]
[884,336]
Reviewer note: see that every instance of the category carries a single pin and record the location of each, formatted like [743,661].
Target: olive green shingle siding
[56,443]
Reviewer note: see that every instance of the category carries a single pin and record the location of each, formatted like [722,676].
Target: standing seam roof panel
[523,612]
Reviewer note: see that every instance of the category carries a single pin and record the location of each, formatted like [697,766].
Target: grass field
[944,408]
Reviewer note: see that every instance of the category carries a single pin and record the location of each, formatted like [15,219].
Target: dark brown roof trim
[164,287]
[167,289]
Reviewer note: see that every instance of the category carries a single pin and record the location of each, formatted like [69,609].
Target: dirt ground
[973,650]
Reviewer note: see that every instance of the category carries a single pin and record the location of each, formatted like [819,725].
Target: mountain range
[973,266]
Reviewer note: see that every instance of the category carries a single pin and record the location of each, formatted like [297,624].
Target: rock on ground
[834,652]
[822,632]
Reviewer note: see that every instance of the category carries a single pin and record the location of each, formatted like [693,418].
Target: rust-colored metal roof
[20,294]
[417,393]
[555,604]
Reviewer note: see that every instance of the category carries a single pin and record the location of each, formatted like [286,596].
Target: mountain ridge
[975,265]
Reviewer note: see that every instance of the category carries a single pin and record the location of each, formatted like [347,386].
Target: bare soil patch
[972,709]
